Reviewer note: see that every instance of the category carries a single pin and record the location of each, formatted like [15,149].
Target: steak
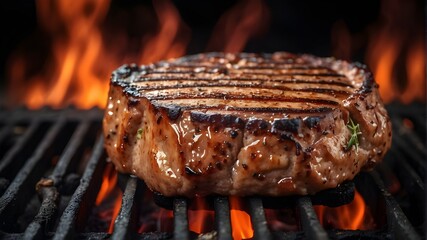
[245,124]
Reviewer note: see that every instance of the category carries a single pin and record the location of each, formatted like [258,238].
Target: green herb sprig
[139,133]
[354,138]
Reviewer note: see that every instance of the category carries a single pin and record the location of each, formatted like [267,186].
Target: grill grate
[54,160]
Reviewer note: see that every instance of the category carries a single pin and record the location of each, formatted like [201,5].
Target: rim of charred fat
[126,70]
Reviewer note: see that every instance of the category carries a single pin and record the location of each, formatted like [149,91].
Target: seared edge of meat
[179,151]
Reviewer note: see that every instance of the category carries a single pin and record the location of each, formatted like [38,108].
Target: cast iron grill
[52,162]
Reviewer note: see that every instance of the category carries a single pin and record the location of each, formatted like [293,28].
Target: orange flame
[398,37]
[166,43]
[80,59]
[240,220]
[109,192]
[352,216]
[395,50]
[116,210]
[108,183]
[244,20]
[76,45]
[200,217]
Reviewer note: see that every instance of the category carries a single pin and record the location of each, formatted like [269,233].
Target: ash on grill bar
[52,166]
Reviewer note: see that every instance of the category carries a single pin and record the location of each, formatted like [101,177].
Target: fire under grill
[52,165]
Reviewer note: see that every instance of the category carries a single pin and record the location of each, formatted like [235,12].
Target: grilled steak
[245,124]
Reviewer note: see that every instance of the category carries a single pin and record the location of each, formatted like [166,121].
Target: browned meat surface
[245,124]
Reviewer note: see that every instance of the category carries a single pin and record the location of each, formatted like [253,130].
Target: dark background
[295,26]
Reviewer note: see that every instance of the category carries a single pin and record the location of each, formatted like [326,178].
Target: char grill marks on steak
[244,124]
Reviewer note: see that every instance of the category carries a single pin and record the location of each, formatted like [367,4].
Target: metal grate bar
[406,147]
[407,175]
[126,219]
[417,158]
[180,219]
[13,200]
[44,218]
[309,221]
[222,218]
[73,150]
[365,234]
[335,197]
[19,150]
[398,224]
[92,173]
[5,131]
[259,222]
[415,112]
[409,135]
[48,191]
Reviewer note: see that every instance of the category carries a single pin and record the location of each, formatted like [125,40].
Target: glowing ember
[240,220]
[200,218]
[352,216]
[151,217]
[281,220]
[116,210]
[108,183]
[109,198]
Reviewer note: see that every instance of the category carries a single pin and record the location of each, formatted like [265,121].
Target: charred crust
[367,86]
[217,119]
[131,91]
[257,126]
[263,125]
[233,133]
[288,125]
[307,153]
[312,122]
[125,71]
[298,148]
[233,120]
[369,82]
[200,117]
[309,149]
[286,136]
[126,138]
[173,112]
